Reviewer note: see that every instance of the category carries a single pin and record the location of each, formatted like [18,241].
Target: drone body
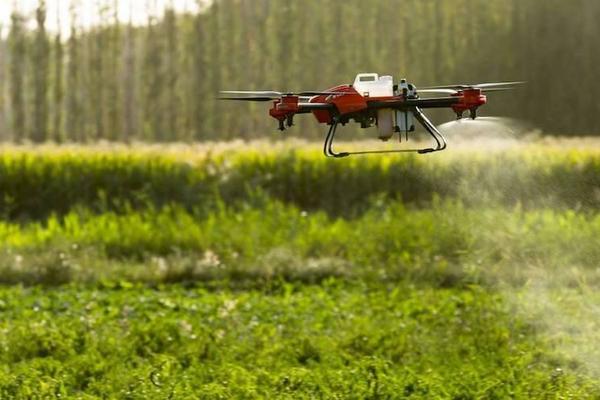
[374,100]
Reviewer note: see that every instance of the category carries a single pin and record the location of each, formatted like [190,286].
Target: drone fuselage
[374,100]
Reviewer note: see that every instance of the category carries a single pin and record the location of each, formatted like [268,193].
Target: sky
[87,11]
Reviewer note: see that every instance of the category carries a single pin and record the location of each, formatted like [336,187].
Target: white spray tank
[405,121]
[373,85]
[385,117]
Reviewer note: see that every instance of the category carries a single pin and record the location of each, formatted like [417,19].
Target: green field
[268,271]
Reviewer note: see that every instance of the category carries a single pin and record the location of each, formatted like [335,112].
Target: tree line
[158,82]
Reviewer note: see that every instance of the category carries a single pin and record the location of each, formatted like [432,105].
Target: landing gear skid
[328,145]
[429,127]
[423,120]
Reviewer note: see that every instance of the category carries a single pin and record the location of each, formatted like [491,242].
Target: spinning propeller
[267,95]
[483,87]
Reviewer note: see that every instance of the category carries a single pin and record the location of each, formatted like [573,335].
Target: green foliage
[116,180]
[446,245]
[300,342]
[281,274]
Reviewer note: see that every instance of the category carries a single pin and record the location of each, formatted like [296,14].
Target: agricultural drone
[374,100]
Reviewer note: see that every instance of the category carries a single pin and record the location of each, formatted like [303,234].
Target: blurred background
[87,70]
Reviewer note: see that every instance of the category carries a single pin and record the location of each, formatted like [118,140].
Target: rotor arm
[441,102]
[409,104]
[305,108]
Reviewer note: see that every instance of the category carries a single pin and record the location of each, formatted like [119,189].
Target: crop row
[35,184]
[303,342]
[444,244]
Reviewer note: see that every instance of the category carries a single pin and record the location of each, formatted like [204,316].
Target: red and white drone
[374,100]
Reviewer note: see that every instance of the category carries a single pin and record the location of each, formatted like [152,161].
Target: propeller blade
[498,84]
[437,91]
[420,89]
[309,93]
[273,94]
[452,91]
[498,89]
[475,86]
[246,98]
[261,93]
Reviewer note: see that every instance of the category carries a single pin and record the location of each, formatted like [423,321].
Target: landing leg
[429,127]
[437,136]
[328,145]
